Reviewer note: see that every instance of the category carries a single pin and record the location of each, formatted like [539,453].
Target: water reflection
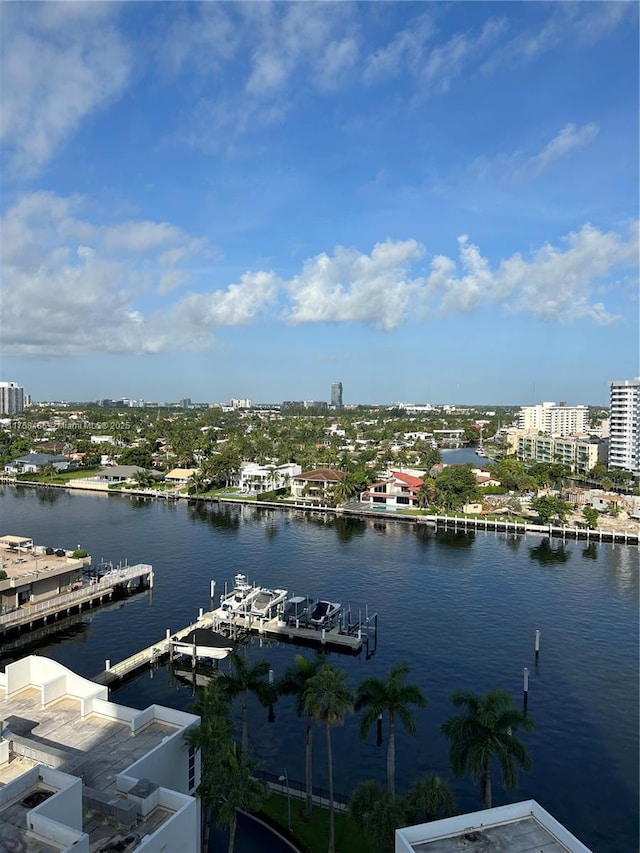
[222,518]
[349,528]
[48,496]
[590,552]
[546,554]
[455,538]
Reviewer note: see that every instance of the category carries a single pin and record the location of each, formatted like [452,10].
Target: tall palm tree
[244,679]
[328,698]
[429,797]
[486,731]
[392,696]
[294,682]
[213,737]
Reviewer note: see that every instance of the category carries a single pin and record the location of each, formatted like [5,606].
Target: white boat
[238,601]
[266,601]
[323,612]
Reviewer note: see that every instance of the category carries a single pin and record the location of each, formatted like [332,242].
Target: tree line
[482,735]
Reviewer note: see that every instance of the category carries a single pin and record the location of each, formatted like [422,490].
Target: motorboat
[323,613]
[238,602]
[266,601]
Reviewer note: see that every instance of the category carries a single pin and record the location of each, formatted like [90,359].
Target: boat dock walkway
[359,635]
[88,595]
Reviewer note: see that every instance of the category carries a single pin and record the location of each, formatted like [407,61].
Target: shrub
[78,553]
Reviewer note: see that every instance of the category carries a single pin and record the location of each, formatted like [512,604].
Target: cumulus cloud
[350,286]
[72,286]
[59,63]
[554,284]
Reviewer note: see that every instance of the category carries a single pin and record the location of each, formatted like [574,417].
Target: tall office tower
[554,419]
[624,429]
[336,395]
[11,398]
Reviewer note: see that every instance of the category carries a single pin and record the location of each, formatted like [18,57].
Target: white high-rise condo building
[554,419]
[624,429]
[11,398]
[336,395]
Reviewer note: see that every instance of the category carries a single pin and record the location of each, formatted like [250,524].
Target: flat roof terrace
[94,748]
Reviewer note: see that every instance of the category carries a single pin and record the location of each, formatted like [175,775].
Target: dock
[347,637]
[97,591]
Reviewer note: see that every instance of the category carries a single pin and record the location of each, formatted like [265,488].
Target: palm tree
[294,683]
[429,797]
[213,737]
[377,814]
[239,789]
[245,678]
[328,698]
[392,696]
[487,731]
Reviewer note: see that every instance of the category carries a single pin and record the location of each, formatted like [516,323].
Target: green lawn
[313,835]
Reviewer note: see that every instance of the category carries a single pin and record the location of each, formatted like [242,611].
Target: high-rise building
[336,395]
[11,398]
[554,419]
[624,426]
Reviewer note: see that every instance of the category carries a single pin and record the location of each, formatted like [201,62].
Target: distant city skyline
[435,202]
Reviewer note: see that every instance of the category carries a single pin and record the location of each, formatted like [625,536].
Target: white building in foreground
[79,773]
[517,828]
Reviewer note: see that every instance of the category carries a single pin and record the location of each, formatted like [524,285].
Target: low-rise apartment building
[579,454]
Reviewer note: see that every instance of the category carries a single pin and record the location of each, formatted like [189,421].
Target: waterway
[461,608]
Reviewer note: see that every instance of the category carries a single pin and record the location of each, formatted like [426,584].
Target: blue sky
[427,201]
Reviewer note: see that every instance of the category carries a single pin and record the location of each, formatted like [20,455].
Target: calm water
[462,609]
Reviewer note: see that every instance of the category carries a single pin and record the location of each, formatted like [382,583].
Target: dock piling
[526,689]
[537,645]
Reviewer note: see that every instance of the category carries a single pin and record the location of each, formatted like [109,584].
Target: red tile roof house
[315,486]
[400,490]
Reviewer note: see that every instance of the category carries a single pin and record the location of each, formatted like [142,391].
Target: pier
[346,637]
[97,591]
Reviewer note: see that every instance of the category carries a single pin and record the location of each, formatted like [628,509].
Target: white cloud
[352,287]
[72,286]
[59,62]
[521,166]
[405,50]
[569,138]
[552,285]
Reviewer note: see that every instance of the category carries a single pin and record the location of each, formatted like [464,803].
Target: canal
[461,608]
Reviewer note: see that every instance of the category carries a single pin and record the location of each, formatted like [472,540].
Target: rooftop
[516,828]
[109,767]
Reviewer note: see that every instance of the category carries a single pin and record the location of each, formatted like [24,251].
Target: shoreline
[463,523]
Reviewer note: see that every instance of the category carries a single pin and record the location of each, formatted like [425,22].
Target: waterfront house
[316,486]
[80,772]
[180,477]
[399,490]
[33,463]
[117,474]
[253,478]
